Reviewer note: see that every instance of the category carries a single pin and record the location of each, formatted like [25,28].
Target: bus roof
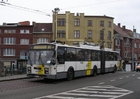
[80,45]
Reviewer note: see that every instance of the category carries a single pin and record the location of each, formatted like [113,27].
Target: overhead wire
[24,8]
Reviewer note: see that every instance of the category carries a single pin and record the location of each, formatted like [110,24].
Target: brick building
[42,32]
[15,39]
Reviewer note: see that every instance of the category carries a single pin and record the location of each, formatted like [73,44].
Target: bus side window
[80,54]
[115,56]
[61,55]
[71,54]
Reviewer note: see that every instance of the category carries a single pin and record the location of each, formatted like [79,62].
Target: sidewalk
[13,77]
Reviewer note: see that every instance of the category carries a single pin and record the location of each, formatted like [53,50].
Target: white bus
[58,61]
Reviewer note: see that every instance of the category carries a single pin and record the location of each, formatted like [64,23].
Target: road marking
[127,76]
[90,92]
[138,78]
[133,75]
[112,80]
[101,83]
[121,78]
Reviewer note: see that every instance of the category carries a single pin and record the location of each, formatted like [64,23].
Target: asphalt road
[120,85]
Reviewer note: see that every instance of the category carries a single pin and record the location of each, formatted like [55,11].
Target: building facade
[136,47]
[72,28]
[42,32]
[128,45]
[15,39]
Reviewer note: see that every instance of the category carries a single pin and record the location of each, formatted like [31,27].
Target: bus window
[116,56]
[87,55]
[61,55]
[80,55]
[71,54]
[95,55]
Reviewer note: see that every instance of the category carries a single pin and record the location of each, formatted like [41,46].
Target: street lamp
[55,11]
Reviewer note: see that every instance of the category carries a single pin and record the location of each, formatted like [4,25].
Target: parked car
[138,68]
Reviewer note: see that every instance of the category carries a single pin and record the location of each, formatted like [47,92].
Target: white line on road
[121,78]
[112,80]
[133,75]
[127,76]
[101,83]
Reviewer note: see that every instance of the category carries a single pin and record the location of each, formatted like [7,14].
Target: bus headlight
[46,70]
[29,69]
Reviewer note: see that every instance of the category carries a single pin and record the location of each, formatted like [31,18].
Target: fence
[13,70]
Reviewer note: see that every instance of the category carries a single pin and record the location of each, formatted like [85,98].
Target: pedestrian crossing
[90,92]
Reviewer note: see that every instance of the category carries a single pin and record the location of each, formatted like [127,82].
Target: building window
[22,52]
[24,41]
[117,42]
[9,31]
[89,34]
[9,52]
[101,23]
[136,56]
[61,22]
[76,22]
[24,31]
[101,35]
[109,45]
[135,45]
[109,24]
[42,40]
[76,34]
[61,33]
[89,22]
[109,35]
[126,54]
[9,40]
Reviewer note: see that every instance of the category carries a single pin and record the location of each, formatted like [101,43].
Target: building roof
[104,16]
[120,31]
[42,27]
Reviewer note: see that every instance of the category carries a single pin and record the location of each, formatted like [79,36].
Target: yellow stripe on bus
[41,70]
[89,65]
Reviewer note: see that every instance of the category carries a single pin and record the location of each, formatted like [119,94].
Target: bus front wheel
[94,72]
[70,74]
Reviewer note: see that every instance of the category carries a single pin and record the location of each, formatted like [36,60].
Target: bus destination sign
[43,47]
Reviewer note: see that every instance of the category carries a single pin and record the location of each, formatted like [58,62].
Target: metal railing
[10,70]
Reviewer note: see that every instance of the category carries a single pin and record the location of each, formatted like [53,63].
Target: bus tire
[114,69]
[70,74]
[94,71]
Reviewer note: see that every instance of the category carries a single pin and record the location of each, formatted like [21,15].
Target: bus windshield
[40,57]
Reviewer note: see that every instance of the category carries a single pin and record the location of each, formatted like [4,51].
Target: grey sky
[125,12]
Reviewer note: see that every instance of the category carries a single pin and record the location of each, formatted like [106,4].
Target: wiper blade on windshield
[40,59]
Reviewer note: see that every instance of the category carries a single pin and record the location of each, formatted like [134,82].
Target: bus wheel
[114,69]
[70,74]
[94,72]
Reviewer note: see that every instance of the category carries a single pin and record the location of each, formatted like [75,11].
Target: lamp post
[55,11]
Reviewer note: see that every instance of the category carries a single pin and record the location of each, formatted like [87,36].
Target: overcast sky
[126,12]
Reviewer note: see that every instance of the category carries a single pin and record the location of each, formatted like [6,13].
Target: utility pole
[55,11]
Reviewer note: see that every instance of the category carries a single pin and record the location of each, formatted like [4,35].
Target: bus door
[60,59]
[102,64]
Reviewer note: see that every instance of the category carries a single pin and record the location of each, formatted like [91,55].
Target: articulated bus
[59,61]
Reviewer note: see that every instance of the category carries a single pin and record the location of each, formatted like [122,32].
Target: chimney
[24,23]
[33,23]
[119,24]
[123,27]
